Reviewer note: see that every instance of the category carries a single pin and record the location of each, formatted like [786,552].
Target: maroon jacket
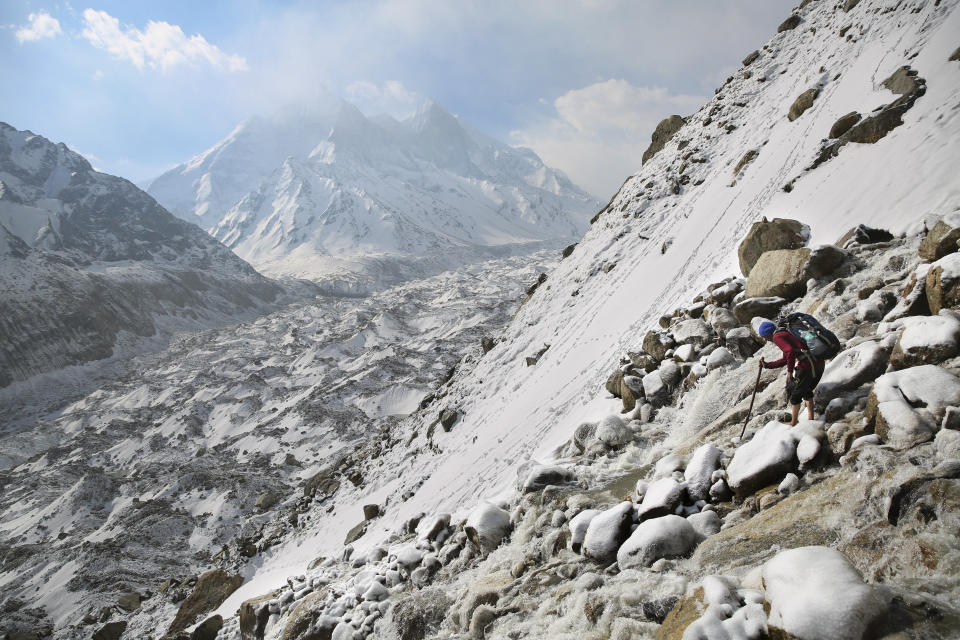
[792,349]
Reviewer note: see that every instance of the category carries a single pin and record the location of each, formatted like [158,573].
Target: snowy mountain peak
[428,193]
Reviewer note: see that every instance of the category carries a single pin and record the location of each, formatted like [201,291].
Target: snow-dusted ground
[152,472]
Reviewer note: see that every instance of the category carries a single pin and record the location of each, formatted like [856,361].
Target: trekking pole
[752,398]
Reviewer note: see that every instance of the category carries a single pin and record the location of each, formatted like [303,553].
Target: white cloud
[392,98]
[41,25]
[598,134]
[161,45]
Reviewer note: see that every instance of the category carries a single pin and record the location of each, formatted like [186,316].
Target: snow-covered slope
[372,201]
[85,256]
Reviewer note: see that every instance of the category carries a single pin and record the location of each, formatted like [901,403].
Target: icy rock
[408,556]
[722,320]
[613,432]
[816,593]
[695,332]
[720,491]
[578,527]
[720,358]
[662,497]
[807,449]
[584,434]
[926,340]
[724,617]
[666,537]
[393,577]
[790,484]
[850,369]
[705,523]
[640,489]
[668,464]
[947,442]
[343,631]
[376,592]
[699,471]
[540,476]
[607,531]
[892,402]
[875,307]
[686,353]
[655,390]
[765,459]
[430,528]
[487,525]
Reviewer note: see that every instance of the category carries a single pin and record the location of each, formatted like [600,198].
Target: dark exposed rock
[751,57]
[747,158]
[656,344]
[848,5]
[306,621]
[568,251]
[662,135]
[614,382]
[208,629]
[371,511]
[211,590]
[843,124]
[254,615]
[769,235]
[487,343]
[536,285]
[322,484]
[111,631]
[790,23]
[419,615]
[955,56]
[355,533]
[943,290]
[862,234]
[803,102]
[448,417]
[129,602]
[824,260]
[780,273]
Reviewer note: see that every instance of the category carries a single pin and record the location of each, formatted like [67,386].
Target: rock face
[940,241]
[770,235]
[211,590]
[662,135]
[781,273]
[100,257]
[803,102]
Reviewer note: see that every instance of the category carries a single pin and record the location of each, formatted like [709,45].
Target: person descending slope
[803,369]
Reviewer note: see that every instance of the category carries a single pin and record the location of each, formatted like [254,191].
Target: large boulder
[750,308]
[741,342]
[655,389]
[815,592]
[943,283]
[764,460]
[656,344]
[306,621]
[487,525]
[843,124]
[850,369]
[613,432]
[770,235]
[667,128]
[254,614]
[539,476]
[803,102]
[667,537]
[614,381]
[211,590]
[906,407]
[607,531]
[862,234]
[782,273]
[695,332]
[824,260]
[926,340]
[722,320]
[940,241]
[661,498]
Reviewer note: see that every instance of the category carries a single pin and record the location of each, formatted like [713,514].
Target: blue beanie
[766,329]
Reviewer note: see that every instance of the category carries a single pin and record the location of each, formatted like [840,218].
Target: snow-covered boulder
[655,390]
[704,461]
[850,369]
[908,406]
[695,332]
[720,358]
[666,537]
[815,593]
[665,466]
[764,460]
[757,307]
[487,525]
[705,523]
[807,449]
[661,498]
[669,373]
[741,342]
[926,340]
[656,344]
[578,527]
[613,432]
[583,435]
[539,476]
[722,320]
[607,531]
[686,353]
[430,528]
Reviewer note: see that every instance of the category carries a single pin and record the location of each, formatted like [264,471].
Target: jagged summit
[427,193]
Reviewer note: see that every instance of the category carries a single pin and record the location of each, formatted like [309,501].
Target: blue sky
[141,86]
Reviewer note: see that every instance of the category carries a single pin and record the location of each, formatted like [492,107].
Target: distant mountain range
[361,202]
[86,257]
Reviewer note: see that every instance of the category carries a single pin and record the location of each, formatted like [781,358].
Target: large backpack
[819,341]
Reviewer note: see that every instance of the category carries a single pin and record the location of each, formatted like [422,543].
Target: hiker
[803,370]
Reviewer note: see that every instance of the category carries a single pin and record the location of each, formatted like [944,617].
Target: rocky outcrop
[770,235]
[943,284]
[790,23]
[211,590]
[940,241]
[843,124]
[662,135]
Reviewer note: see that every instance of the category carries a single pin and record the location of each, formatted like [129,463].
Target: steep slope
[375,201]
[87,256]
